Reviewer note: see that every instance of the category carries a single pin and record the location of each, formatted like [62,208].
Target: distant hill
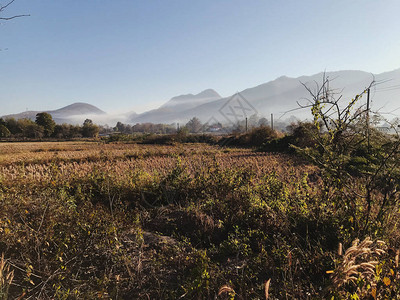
[185,102]
[280,97]
[74,113]
[77,109]
[171,109]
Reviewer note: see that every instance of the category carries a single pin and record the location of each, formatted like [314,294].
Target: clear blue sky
[133,55]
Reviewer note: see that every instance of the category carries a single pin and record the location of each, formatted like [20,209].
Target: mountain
[281,97]
[77,109]
[189,101]
[74,113]
[176,105]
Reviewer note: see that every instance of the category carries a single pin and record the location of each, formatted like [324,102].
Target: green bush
[254,138]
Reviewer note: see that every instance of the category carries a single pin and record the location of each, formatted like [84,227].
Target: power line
[389,87]
[387,90]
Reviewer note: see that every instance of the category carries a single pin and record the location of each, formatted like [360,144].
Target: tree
[182,133]
[33,131]
[62,131]
[253,120]
[89,129]
[88,122]
[67,131]
[263,122]
[46,121]
[28,128]
[4,7]
[194,125]
[12,126]
[4,132]
[360,164]
[120,127]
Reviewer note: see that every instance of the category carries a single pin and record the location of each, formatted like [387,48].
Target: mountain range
[281,97]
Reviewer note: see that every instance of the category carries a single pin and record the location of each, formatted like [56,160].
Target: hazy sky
[134,55]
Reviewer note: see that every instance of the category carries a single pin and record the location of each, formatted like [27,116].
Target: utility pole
[368,139]
[272,121]
[368,196]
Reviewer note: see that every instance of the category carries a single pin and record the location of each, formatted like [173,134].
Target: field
[86,220]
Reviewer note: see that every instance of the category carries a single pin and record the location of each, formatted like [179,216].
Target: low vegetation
[87,220]
[313,214]
[122,221]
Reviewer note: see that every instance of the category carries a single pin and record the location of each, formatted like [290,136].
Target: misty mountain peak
[67,114]
[79,108]
[184,102]
[283,77]
[208,93]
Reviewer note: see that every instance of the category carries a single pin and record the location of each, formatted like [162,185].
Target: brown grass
[6,278]
[35,161]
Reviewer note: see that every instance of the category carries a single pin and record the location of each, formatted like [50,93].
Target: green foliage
[300,135]
[4,132]
[12,125]
[67,131]
[29,129]
[46,121]
[182,133]
[44,126]
[348,148]
[89,129]
[170,139]
[120,138]
[259,135]
[254,138]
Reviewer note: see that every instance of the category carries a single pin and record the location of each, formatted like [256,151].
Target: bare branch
[3,7]
[13,17]
[6,5]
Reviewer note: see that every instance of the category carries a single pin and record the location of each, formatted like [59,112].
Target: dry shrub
[6,278]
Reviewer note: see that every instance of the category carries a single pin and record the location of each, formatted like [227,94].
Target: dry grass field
[78,159]
[86,220]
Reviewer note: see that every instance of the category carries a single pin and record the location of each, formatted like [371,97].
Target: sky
[131,55]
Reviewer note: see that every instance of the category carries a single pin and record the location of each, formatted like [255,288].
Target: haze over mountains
[280,97]
[69,114]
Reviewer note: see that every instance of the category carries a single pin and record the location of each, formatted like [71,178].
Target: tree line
[194,125]
[45,127]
